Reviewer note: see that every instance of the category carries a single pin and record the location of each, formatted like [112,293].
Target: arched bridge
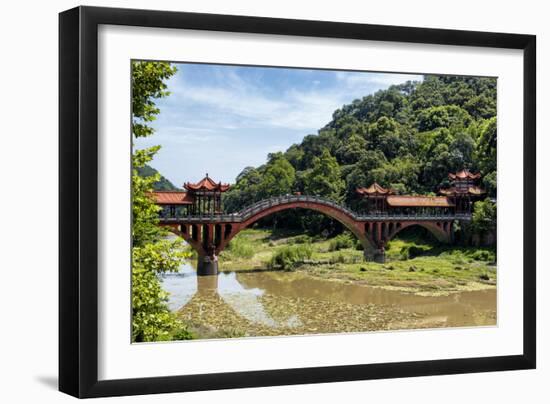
[210,234]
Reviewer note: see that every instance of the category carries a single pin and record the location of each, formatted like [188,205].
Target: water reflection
[276,303]
[186,288]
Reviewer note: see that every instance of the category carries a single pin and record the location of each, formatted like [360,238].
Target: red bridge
[196,216]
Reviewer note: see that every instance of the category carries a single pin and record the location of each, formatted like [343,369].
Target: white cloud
[236,102]
[352,80]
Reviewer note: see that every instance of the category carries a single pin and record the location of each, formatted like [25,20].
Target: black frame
[78,194]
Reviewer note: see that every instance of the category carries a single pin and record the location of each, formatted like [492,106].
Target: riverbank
[412,265]
[269,303]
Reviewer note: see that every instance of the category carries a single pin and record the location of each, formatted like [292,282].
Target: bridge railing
[279,200]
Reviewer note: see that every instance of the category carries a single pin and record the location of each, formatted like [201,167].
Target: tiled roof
[474,190]
[412,201]
[374,189]
[206,184]
[464,174]
[172,198]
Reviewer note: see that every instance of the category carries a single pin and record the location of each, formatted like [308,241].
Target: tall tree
[151,252]
[484,217]
[325,178]
[278,177]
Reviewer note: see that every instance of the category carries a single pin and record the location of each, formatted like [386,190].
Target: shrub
[288,256]
[240,248]
[483,255]
[344,240]
[411,251]
[181,333]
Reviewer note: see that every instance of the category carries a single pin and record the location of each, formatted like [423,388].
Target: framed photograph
[251,201]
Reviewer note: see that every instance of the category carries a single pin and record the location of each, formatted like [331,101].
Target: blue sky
[221,119]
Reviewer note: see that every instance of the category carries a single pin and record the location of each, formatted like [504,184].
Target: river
[264,303]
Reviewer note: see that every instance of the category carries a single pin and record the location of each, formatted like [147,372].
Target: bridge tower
[206,196]
[464,190]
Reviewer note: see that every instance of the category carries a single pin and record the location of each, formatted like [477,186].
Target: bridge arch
[331,210]
[440,230]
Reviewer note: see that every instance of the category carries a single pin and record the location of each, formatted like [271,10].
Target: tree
[148,83]
[245,191]
[351,151]
[151,252]
[324,178]
[278,177]
[484,217]
[443,117]
[486,147]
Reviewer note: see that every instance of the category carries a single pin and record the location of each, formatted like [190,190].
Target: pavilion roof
[206,184]
[473,190]
[419,201]
[172,198]
[464,174]
[374,189]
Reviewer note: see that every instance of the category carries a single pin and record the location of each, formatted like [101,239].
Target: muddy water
[285,303]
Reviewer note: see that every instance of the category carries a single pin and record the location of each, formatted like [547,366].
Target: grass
[413,263]
[288,257]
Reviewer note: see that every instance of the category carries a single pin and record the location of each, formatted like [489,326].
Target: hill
[407,137]
[162,185]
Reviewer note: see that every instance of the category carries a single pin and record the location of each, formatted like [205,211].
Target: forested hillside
[161,185]
[408,137]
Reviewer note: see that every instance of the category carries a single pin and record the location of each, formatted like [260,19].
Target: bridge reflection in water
[284,303]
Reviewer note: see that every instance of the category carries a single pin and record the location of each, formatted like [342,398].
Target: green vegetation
[484,218]
[288,257]
[408,137]
[415,262]
[343,241]
[162,184]
[240,248]
[151,252]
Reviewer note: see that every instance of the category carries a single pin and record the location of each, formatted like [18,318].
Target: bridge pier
[207,265]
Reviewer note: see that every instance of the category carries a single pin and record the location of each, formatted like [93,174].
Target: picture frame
[78,201]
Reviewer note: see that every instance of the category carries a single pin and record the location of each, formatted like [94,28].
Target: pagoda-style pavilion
[464,190]
[376,197]
[201,198]
[207,196]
